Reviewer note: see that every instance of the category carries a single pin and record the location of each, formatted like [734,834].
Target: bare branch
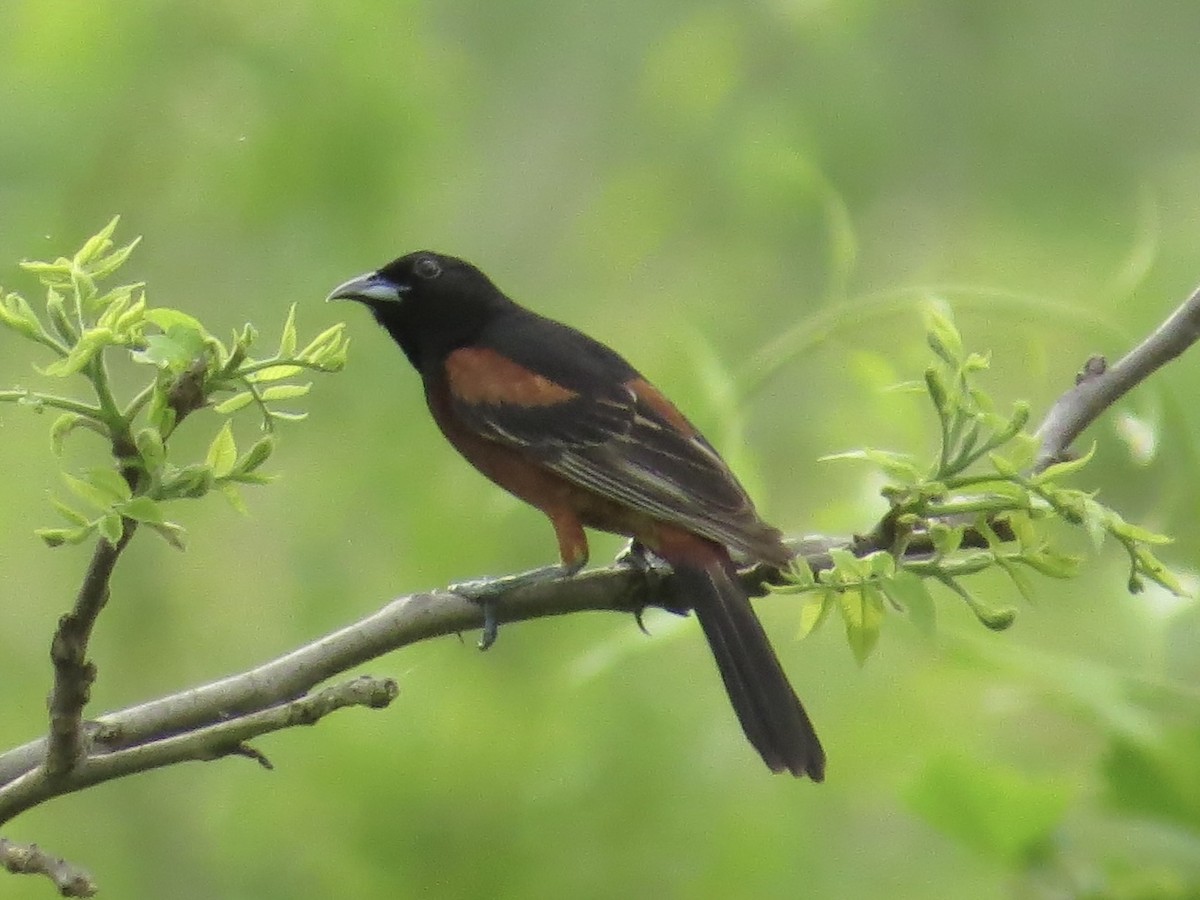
[30,859]
[222,713]
[1100,387]
[226,738]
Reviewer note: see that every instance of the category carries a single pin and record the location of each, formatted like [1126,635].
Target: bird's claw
[491,625]
[486,594]
[637,617]
[634,556]
[482,592]
[637,558]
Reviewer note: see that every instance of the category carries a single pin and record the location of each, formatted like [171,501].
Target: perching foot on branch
[486,592]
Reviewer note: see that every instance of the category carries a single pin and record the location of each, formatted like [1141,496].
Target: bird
[567,425]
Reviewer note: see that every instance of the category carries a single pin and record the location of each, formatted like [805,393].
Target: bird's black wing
[583,412]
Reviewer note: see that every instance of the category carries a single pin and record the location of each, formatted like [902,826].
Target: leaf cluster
[86,325]
[977,506]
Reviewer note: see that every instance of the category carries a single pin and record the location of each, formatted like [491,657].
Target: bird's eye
[427,267]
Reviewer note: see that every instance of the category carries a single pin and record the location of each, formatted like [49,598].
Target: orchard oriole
[567,425]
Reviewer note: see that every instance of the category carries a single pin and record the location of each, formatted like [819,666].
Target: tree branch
[1099,386]
[73,672]
[203,743]
[30,859]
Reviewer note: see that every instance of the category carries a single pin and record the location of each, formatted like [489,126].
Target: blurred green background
[725,191]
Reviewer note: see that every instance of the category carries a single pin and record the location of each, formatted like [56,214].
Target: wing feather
[641,463]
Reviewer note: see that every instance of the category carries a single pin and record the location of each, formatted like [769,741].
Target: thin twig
[30,859]
[215,741]
[1100,387]
[73,671]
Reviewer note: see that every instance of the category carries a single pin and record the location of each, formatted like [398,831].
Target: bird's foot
[637,557]
[487,592]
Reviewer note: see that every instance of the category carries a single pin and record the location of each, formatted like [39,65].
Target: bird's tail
[770,712]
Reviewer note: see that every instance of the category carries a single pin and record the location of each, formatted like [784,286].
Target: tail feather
[769,710]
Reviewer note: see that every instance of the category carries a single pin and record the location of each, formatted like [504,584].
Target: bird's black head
[430,303]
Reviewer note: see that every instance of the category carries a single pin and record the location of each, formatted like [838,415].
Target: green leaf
[143,509]
[71,515]
[287,342]
[935,384]
[251,478]
[946,539]
[333,359]
[114,304]
[323,343]
[84,287]
[173,351]
[88,492]
[166,319]
[63,425]
[114,260]
[57,273]
[847,566]
[1003,466]
[56,309]
[1130,532]
[173,534]
[976,362]
[1064,468]
[234,403]
[111,483]
[56,537]
[1051,563]
[234,496]
[97,244]
[90,343]
[799,572]
[862,612]
[258,454]
[222,452]
[899,467]
[1095,519]
[246,338]
[1018,420]
[160,415]
[1023,529]
[274,373]
[129,322]
[813,611]
[880,564]
[1019,579]
[1022,450]
[194,480]
[288,416]
[286,391]
[1152,568]
[19,316]
[943,337]
[151,448]
[910,594]
[111,528]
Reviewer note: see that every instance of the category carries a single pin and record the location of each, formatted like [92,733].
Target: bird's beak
[369,288]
